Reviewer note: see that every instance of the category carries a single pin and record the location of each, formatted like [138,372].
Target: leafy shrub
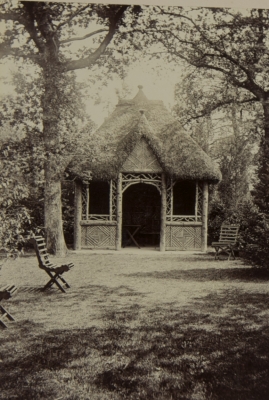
[68,210]
[216,216]
[254,234]
[254,229]
[12,229]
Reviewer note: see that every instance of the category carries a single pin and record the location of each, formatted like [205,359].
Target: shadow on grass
[216,348]
[86,292]
[210,274]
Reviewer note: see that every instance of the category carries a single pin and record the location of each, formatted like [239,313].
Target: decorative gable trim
[142,159]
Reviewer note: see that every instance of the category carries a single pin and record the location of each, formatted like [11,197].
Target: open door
[141,216]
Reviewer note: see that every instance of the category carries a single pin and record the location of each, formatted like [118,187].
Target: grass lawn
[137,326]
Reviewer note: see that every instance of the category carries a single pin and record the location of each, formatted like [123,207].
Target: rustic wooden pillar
[119,212]
[204,216]
[87,200]
[196,200]
[163,214]
[110,199]
[77,216]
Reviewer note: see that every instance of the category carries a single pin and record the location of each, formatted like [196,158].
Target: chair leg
[2,324]
[64,281]
[5,313]
[8,315]
[53,279]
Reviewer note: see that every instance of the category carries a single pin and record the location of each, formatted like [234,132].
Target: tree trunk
[53,216]
[54,164]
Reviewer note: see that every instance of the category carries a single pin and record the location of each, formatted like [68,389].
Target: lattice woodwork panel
[98,237]
[183,218]
[142,158]
[183,237]
[169,199]
[84,201]
[132,178]
[98,217]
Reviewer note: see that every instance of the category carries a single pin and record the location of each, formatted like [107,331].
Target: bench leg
[217,249]
[231,253]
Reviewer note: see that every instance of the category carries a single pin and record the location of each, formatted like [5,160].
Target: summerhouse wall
[105,232]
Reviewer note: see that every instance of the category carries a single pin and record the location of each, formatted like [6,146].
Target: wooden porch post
[87,200]
[119,212]
[204,216]
[163,214]
[77,216]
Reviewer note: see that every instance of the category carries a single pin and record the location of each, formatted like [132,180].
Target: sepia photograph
[134,200]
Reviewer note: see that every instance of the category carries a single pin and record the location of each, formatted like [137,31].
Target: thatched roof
[177,153]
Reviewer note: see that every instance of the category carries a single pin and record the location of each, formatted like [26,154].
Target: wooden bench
[5,293]
[228,241]
[55,272]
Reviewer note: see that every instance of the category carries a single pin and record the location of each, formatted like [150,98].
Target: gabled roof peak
[142,127]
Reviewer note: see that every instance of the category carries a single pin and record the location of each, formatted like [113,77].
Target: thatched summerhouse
[149,183]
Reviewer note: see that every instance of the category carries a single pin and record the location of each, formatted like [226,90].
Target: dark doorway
[141,215]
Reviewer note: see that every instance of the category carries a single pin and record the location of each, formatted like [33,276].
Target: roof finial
[140,87]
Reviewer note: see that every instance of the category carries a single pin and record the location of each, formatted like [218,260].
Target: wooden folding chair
[5,293]
[227,241]
[55,272]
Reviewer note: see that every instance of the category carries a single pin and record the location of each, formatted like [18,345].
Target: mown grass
[215,346]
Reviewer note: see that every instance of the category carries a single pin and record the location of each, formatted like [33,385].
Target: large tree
[23,151]
[228,46]
[232,45]
[43,34]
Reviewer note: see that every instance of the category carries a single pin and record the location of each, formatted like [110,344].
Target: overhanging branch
[83,37]
[11,16]
[72,16]
[208,111]
[92,58]
[214,45]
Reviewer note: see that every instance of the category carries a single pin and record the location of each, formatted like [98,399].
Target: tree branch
[71,16]
[247,84]
[6,50]
[30,26]
[92,58]
[222,52]
[11,16]
[221,104]
[83,37]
